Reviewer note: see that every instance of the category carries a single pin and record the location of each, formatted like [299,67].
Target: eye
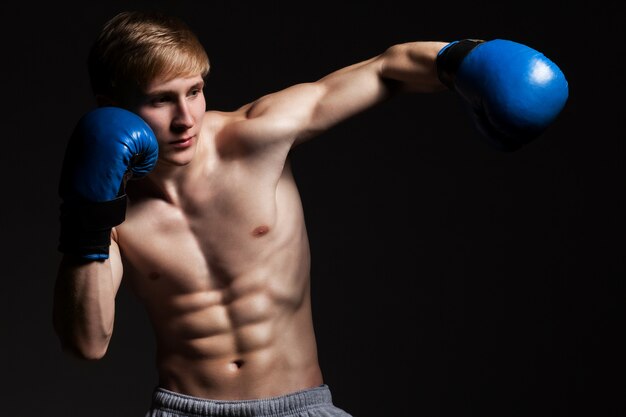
[159,100]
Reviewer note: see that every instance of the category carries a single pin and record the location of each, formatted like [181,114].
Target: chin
[177,162]
[168,161]
[179,159]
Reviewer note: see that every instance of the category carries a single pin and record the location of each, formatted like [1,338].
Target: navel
[236,364]
[260,231]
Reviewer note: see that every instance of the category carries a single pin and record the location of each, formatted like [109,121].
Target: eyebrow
[198,85]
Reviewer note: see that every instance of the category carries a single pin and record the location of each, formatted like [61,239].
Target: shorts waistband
[265,407]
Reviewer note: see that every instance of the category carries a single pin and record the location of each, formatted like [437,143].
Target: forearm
[84,306]
[413,66]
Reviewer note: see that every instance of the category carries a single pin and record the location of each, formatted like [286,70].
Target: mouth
[182,143]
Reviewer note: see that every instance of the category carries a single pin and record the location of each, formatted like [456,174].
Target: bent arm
[84,303]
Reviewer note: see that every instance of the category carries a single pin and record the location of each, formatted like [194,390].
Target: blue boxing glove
[108,147]
[513,91]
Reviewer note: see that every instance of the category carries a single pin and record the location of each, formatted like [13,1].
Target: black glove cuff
[449,60]
[86,226]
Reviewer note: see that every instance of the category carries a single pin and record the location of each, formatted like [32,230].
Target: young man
[199,212]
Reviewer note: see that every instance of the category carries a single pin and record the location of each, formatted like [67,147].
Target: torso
[224,275]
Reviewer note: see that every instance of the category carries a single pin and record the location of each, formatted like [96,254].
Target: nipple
[260,231]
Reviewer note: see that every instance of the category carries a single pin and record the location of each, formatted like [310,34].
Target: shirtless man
[199,212]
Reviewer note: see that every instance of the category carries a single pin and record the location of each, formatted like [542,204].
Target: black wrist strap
[449,60]
[86,226]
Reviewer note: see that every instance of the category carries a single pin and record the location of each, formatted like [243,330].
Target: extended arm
[514,92]
[303,111]
[407,67]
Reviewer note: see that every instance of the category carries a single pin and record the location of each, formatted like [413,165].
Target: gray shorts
[313,402]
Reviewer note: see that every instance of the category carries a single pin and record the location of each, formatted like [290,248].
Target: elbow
[87,353]
[84,351]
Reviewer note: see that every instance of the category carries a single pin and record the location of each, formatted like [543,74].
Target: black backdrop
[448,279]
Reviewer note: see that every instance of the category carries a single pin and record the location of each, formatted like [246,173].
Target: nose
[183,119]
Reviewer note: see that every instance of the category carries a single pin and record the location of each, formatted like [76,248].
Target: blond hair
[134,47]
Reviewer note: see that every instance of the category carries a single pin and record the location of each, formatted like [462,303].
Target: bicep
[349,91]
[343,94]
[304,110]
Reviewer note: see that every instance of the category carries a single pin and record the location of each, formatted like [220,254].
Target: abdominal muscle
[237,342]
[215,345]
[230,309]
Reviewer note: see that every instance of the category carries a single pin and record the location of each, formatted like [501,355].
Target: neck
[168,180]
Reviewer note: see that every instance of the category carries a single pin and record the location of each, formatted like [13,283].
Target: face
[174,110]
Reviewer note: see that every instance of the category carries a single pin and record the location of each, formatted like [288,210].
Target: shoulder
[217,122]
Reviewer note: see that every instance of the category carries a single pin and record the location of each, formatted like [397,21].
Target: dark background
[449,279]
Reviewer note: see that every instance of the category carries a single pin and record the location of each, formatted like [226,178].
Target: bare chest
[213,240]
